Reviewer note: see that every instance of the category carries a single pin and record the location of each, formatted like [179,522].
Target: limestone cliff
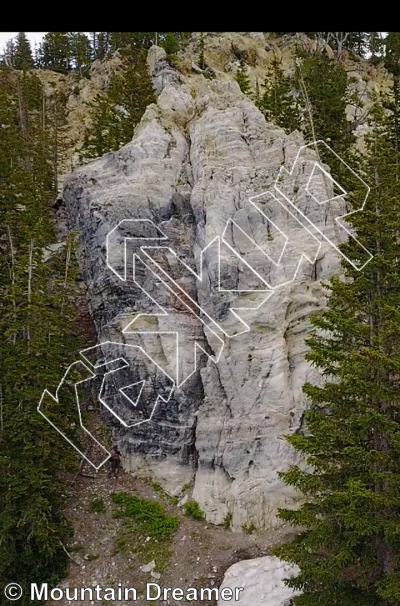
[196,158]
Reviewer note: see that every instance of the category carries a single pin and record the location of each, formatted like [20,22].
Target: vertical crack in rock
[194,162]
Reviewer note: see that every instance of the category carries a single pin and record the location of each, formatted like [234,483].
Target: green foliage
[115,115]
[37,324]
[357,42]
[278,103]
[348,549]
[192,509]
[243,79]
[55,52]
[97,506]
[375,46]
[392,53]
[170,44]
[92,556]
[23,58]
[248,528]
[324,91]
[144,518]
[126,42]
[80,51]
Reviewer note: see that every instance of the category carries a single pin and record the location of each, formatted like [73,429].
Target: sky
[32,36]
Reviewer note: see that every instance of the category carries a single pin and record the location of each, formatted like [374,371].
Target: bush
[97,506]
[192,509]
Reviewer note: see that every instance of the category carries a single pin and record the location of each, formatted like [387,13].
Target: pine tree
[55,52]
[80,51]
[392,53]
[23,58]
[103,45]
[170,44]
[115,115]
[243,79]
[38,338]
[375,46]
[278,103]
[357,42]
[120,41]
[348,549]
[325,94]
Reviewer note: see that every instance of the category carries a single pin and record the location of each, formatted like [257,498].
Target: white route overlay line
[219,289]
[163,237]
[284,171]
[303,255]
[197,345]
[126,364]
[55,398]
[121,389]
[165,313]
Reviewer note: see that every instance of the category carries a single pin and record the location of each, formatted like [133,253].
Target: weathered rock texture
[262,582]
[196,158]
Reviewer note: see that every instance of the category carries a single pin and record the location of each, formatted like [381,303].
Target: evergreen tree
[392,53]
[115,115]
[170,44]
[348,549]
[278,103]
[325,93]
[243,79]
[80,51]
[23,58]
[120,41]
[126,42]
[358,43]
[38,338]
[103,45]
[375,46]
[55,52]
[142,40]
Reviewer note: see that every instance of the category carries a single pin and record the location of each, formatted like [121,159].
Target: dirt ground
[200,553]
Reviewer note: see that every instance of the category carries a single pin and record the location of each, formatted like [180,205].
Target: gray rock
[183,500]
[192,165]
[262,581]
[148,567]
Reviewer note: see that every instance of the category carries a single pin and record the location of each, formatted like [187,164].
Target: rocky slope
[197,157]
[222,52]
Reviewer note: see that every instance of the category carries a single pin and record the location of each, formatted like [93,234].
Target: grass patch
[248,528]
[97,506]
[158,489]
[227,521]
[147,530]
[192,509]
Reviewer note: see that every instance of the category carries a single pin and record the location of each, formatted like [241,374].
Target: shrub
[97,506]
[192,509]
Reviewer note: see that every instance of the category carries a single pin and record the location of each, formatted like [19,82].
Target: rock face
[262,581]
[196,158]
